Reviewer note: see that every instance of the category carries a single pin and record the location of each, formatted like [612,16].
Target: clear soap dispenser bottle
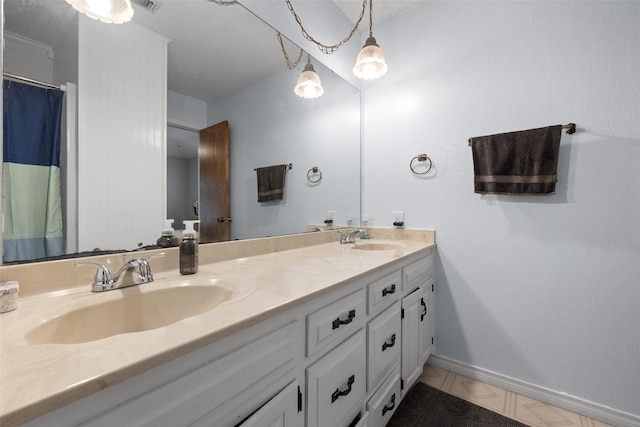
[189,249]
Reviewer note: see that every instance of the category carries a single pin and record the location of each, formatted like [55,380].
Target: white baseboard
[561,400]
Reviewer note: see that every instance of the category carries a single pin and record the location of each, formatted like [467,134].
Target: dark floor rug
[426,406]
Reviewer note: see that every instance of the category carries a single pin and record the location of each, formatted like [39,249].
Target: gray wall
[543,290]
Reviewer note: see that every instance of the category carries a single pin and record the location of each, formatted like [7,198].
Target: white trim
[555,398]
[71,206]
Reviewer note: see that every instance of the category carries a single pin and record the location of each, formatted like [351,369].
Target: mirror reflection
[147,102]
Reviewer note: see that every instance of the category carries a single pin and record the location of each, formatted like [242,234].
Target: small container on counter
[8,296]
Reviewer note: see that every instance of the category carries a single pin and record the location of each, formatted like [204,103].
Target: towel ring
[421,158]
[314,172]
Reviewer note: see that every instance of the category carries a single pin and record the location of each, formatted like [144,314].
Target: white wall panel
[122,133]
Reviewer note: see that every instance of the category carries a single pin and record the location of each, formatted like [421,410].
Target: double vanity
[295,331]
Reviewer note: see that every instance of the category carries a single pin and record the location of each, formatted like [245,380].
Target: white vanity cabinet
[341,359]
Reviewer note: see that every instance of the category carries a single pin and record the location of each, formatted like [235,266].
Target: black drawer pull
[390,290]
[349,319]
[388,344]
[424,309]
[336,394]
[389,407]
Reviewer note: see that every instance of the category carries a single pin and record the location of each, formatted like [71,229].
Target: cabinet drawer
[416,273]
[336,384]
[361,421]
[335,321]
[384,402]
[383,344]
[384,291]
[282,410]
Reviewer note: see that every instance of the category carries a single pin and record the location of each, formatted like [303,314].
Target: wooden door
[214,208]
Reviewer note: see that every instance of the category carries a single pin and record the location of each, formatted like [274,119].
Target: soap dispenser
[168,238]
[189,249]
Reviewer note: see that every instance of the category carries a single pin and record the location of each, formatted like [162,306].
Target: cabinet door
[281,411]
[428,321]
[336,384]
[412,338]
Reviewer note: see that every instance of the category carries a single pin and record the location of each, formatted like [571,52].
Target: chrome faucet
[105,281]
[349,237]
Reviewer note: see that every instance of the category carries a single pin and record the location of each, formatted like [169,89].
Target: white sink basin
[132,311]
[376,246]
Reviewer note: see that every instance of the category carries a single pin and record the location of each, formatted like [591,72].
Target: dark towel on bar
[518,163]
[271,182]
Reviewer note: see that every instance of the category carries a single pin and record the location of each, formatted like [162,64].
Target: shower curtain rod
[32,82]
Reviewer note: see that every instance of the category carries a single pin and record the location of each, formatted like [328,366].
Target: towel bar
[570,128]
[289,167]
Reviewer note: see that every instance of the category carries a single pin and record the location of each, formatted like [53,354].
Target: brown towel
[271,182]
[518,163]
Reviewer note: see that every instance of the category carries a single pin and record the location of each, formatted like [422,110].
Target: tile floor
[520,408]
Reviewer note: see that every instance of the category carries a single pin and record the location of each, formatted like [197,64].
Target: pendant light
[308,85]
[370,63]
[110,11]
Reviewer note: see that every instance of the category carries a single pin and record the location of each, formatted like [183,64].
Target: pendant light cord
[329,49]
[370,18]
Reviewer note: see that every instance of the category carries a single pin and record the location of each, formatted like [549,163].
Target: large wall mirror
[223,65]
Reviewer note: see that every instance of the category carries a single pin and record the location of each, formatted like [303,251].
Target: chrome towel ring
[314,175]
[420,158]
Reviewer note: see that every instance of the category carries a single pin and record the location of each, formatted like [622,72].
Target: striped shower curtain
[32,226]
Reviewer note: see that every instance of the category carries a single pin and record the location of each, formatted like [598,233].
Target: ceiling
[214,48]
[208,40]
[383,10]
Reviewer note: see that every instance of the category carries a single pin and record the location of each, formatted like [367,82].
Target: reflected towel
[271,182]
[518,163]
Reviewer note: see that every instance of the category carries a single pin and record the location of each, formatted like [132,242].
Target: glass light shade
[110,11]
[308,85]
[370,63]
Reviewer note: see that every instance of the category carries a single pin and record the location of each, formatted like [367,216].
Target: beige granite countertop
[36,379]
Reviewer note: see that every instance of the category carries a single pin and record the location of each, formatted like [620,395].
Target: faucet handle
[350,236]
[103,280]
[144,269]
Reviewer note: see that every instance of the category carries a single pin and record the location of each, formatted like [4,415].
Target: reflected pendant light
[110,11]
[308,85]
[370,63]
